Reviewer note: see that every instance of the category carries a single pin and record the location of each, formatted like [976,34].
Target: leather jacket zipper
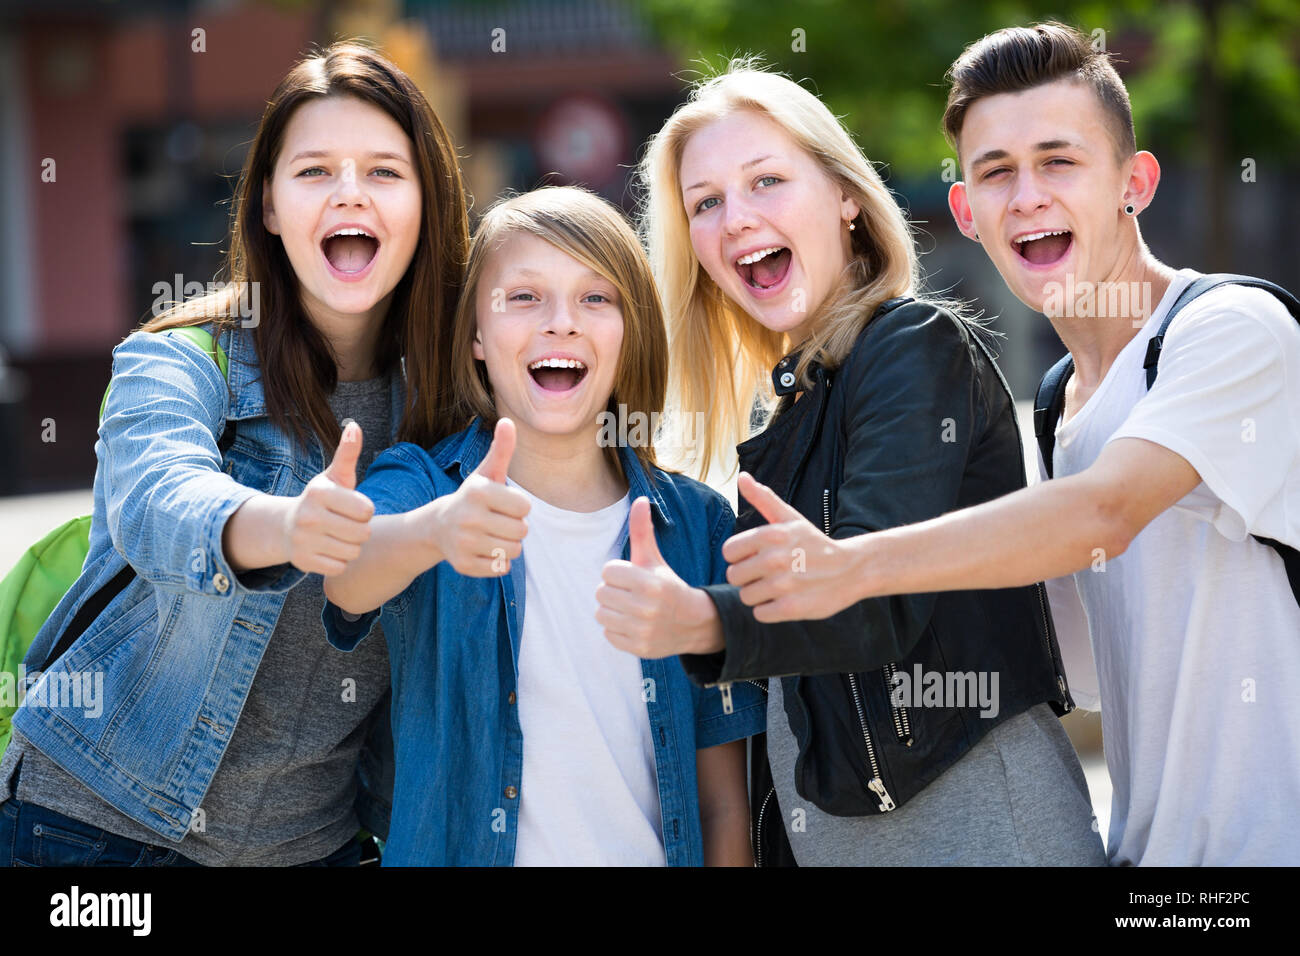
[902,724]
[758,840]
[876,785]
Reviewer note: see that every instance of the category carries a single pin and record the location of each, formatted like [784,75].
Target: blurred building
[123,131]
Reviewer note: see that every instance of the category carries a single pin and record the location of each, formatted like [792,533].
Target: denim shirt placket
[663,733]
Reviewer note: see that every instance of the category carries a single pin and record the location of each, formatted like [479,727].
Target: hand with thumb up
[328,523]
[480,528]
[645,608]
[787,570]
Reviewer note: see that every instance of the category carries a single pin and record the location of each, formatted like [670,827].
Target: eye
[523,297]
[994,172]
[764,179]
[600,296]
[701,207]
[392,174]
[1062,161]
[312,169]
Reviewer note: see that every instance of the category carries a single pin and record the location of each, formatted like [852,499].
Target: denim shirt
[454,652]
[178,648]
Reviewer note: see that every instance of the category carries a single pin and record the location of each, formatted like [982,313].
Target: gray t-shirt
[284,791]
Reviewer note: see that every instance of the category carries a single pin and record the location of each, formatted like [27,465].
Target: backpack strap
[1049,405]
[1289,555]
[1198,288]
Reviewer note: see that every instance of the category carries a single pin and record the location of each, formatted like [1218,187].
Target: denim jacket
[454,652]
[179,646]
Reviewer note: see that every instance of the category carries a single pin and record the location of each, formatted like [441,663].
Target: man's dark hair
[1020,58]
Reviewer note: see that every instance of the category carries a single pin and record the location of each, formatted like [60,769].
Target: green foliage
[881,65]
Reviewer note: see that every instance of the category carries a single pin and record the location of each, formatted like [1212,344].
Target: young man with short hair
[1157,493]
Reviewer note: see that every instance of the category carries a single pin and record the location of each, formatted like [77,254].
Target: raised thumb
[496,462]
[643,550]
[766,501]
[343,467]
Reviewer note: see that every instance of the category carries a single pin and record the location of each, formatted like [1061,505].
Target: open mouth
[350,251]
[557,374]
[765,268]
[1044,248]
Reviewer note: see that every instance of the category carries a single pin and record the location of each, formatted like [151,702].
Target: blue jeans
[32,835]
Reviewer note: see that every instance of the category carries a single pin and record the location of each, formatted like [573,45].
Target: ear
[477,347]
[1143,177]
[269,219]
[961,211]
[849,208]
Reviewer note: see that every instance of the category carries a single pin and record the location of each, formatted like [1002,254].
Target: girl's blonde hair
[593,232]
[721,359]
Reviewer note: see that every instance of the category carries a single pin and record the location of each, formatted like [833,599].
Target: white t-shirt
[589,793]
[1194,629]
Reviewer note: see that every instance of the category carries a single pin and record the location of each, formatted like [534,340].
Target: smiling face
[1045,188]
[766,223]
[344,198]
[550,331]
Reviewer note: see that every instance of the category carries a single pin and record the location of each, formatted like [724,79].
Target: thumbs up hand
[787,570]
[480,528]
[328,523]
[645,608]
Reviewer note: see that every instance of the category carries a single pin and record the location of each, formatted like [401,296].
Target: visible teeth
[1042,235]
[755,256]
[349,232]
[556,363]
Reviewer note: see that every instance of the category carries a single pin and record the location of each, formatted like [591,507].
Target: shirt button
[787,379]
[511,793]
[511,698]
[221,583]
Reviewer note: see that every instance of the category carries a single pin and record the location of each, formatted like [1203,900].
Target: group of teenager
[386,579]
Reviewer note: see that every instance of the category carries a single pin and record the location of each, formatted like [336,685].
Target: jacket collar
[248,400]
[469,448]
[783,377]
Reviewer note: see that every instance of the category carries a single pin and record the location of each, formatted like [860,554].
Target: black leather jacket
[916,422]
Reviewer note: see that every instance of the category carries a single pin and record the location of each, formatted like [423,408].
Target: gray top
[284,791]
[1017,798]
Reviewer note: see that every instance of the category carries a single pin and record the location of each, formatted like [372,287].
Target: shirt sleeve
[398,480]
[1220,401]
[748,701]
[166,497]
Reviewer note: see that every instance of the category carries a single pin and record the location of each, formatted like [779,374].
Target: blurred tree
[881,66]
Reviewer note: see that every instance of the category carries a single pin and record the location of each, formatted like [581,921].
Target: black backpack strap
[1048,406]
[1198,288]
[1289,555]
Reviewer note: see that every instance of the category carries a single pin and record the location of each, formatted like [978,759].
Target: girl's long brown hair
[298,369]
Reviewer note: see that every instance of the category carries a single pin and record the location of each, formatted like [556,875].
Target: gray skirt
[1017,798]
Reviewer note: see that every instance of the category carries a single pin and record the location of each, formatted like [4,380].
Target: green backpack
[33,589]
